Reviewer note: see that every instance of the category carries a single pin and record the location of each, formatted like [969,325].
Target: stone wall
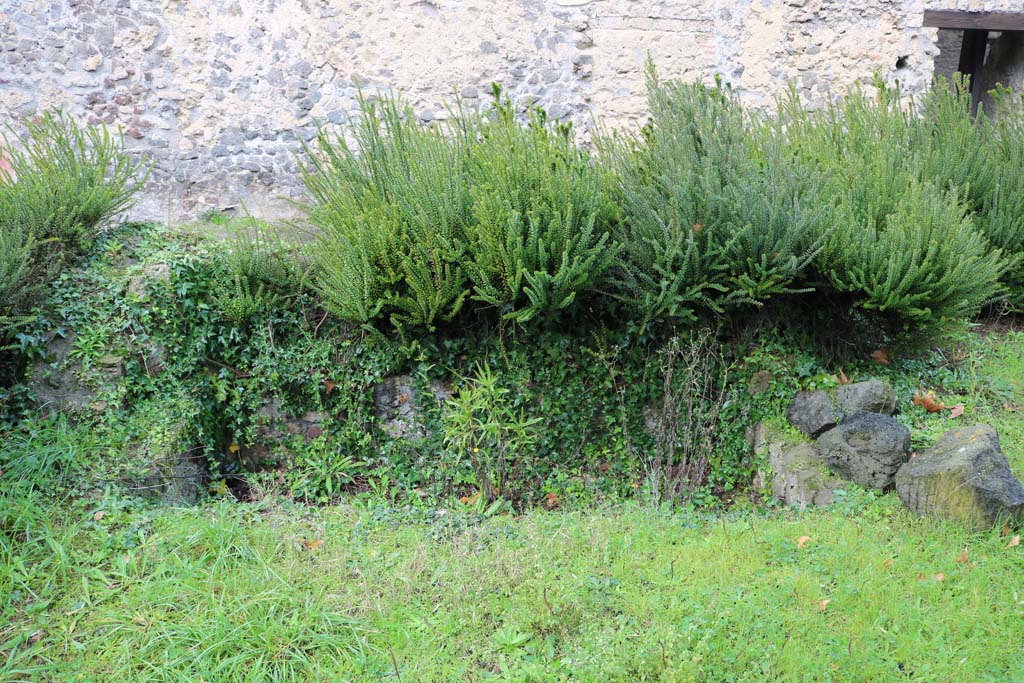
[220,92]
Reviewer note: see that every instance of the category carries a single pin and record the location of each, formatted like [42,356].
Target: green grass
[235,592]
[97,587]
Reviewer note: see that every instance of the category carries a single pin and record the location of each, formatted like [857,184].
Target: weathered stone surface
[872,396]
[273,429]
[866,448]
[205,87]
[178,478]
[800,476]
[138,285]
[812,412]
[173,466]
[396,408]
[798,473]
[964,477]
[54,380]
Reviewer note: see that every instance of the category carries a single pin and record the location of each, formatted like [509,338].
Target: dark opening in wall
[991,49]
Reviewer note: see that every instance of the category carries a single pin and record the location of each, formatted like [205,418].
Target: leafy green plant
[319,470]
[902,247]
[260,271]
[62,184]
[392,210]
[483,426]
[18,288]
[477,212]
[66,181]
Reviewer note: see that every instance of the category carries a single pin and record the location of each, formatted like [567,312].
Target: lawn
[95,586]
[275,591]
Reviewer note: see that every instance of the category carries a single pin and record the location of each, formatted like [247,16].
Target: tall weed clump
[715,216]
[903,246]
[480,211]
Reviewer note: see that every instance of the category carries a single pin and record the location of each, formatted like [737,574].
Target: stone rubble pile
[852,436]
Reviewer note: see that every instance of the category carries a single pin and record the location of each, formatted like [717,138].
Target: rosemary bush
[480,212]
[67,182]
[904,246]
[538,235]
[715,216]
[64,184]
[392,210]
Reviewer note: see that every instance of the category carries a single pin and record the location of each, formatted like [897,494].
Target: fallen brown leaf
[329,385]
[802,541]
[98,515]
[1006,529]
[1014,542]
[928,402]
[962,557]
[823,604]
[843,379]
[956,411]
[887,563]
[881,356]
[940,577]
[313,544]
[550,501]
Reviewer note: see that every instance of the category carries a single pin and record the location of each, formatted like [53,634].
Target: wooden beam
[977,21]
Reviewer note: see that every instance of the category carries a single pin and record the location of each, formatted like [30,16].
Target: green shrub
[714,215]
[538,235]
[479,212]
[260,271]
[484,426]
[66,182]
[392,212]
[902,247]
[18,288]
[1001,213]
